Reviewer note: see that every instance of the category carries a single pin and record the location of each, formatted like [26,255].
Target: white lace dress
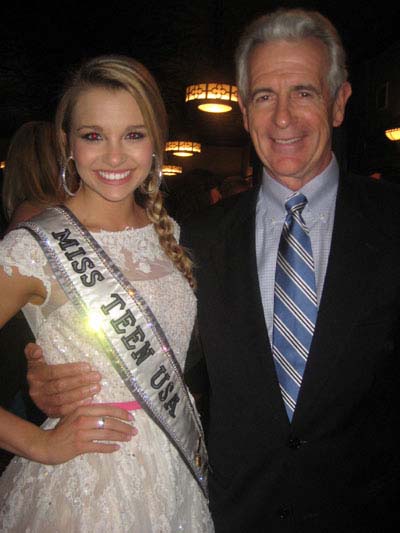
[144,487]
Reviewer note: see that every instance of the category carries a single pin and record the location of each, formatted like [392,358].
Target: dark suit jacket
[336,467]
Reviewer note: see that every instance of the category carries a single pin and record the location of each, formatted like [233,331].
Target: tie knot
[296,204]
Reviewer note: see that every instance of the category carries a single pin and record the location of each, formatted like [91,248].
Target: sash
[128,331]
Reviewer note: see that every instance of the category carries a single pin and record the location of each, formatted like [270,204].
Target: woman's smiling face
[109,143]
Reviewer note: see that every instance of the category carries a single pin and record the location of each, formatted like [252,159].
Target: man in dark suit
[309,444]
[326,460]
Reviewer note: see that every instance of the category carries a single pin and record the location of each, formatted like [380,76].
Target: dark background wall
[182,41]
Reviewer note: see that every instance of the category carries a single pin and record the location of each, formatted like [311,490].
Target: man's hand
[58,390]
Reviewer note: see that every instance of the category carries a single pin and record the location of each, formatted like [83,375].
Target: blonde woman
[104,279]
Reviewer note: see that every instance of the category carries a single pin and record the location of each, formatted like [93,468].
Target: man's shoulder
[376,192]
[212,223]
[378,201]
[371,185]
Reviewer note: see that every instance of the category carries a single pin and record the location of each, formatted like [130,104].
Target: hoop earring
[148,187]
[63,175]
[157,171]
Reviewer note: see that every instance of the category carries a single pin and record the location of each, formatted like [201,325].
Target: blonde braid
[164,228]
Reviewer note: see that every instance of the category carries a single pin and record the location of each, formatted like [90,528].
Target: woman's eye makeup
[91,136]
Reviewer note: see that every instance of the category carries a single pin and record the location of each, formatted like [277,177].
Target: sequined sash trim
[127,329]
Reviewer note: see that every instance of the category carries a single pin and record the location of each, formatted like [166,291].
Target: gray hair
[291,25]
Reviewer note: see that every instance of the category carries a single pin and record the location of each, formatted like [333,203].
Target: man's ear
[339,104]
[243,109]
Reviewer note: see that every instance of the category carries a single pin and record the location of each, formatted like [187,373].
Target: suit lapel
[234,258]
[344,293]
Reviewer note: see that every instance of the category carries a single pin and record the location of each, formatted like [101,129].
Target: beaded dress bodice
[145,486]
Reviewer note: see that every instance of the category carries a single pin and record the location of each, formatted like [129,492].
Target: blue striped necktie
[295,303]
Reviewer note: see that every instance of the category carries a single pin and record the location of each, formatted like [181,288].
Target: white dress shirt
[318,215]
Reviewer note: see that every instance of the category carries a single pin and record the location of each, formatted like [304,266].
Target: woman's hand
[89,429]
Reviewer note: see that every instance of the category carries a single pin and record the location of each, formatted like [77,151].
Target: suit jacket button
[294,443]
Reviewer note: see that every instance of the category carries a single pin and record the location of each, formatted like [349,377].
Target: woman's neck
[99,214]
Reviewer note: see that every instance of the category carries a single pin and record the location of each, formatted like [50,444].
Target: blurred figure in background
[31,180]
[234,185]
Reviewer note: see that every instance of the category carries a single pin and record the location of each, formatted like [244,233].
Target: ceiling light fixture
[393,134]
[183,148]
[212,97]
[171,170]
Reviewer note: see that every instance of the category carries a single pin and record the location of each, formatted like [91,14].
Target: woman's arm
[16,291]
[76,434]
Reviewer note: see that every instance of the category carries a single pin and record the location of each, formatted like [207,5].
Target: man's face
[290,113]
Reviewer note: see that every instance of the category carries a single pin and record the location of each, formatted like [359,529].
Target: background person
[31,177]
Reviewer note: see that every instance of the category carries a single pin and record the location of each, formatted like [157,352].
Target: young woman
[103,278]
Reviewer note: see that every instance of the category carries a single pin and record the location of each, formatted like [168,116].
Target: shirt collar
[320,192]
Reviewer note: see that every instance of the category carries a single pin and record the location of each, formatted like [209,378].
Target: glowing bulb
[215,108]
